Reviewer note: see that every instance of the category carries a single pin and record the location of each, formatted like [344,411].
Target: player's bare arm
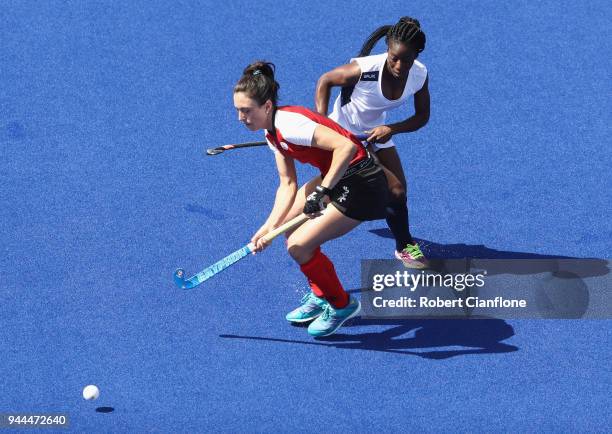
[345,75]
[285,195]
[343,150]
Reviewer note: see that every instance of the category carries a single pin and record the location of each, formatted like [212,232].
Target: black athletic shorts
[362,193]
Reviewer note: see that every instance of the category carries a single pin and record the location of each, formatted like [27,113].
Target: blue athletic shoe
[312,306]
[332,318]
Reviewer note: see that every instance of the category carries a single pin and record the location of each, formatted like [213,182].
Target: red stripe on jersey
[317,157]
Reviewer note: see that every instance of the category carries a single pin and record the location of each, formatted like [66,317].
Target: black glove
[314,202]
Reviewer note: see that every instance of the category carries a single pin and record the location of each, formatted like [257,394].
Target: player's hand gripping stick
[314,202]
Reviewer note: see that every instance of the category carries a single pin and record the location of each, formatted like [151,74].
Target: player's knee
[298,252]
[398,194]
[396,206]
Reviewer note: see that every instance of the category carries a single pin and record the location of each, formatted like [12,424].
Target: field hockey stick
[220,149]
[217,267]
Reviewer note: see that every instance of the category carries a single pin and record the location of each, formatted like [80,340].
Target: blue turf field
[105,110]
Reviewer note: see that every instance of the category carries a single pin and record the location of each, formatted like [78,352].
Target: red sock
[323,280]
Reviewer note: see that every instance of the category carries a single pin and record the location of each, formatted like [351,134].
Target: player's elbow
[324,82]
[349,148]
[289,185]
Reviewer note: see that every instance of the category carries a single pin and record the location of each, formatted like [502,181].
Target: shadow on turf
[208,212]
[482,336]
[583,267]
[431,338]
[105,409]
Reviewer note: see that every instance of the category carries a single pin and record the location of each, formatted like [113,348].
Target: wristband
[324,190]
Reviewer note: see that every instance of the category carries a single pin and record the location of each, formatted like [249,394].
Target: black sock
[397,219]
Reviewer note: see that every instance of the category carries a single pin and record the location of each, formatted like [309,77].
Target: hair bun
[258,82]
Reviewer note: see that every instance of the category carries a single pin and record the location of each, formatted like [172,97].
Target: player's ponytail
[372,40]
[406,31]
[258,82]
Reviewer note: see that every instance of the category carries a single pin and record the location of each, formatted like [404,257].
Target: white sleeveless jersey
[363,106]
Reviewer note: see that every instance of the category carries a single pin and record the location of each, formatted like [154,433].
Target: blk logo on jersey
[370,76]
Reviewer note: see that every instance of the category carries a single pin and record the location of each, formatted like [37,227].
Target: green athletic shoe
[333,318]
[412,257]
[312,306]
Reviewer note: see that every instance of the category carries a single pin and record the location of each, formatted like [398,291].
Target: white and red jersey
[294,127]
